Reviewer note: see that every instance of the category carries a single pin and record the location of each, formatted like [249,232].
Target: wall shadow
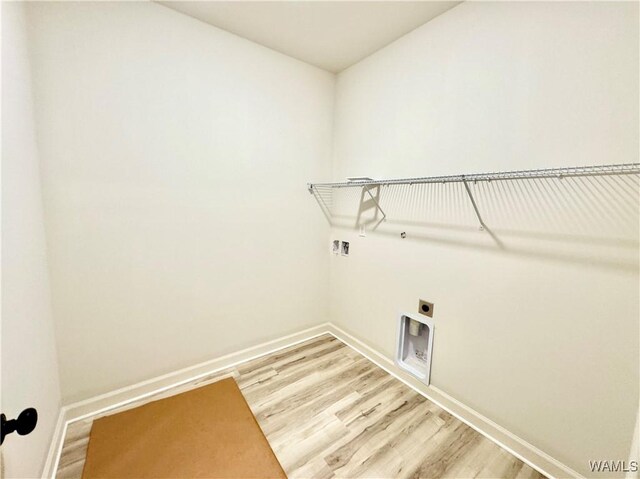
[592,221]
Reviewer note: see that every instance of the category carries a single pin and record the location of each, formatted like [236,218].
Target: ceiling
[332,35]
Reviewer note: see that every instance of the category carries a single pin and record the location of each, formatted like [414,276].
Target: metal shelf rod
[558,173]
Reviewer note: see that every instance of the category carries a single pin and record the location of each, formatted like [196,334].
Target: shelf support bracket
[475,207]
[375,202]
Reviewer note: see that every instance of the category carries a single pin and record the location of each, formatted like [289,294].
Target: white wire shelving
[546,173]
[600,170]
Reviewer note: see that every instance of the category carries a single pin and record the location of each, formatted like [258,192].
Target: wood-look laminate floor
[327,411]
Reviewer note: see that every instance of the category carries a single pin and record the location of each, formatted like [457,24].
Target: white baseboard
[517,446]
[50,464]
[120,397]
[105,402]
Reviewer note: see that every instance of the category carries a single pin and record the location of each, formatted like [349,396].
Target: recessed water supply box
[415,345]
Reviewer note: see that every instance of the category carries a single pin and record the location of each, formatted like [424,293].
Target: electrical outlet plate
[426,308]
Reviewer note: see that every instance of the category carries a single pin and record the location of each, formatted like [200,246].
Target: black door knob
[23,424]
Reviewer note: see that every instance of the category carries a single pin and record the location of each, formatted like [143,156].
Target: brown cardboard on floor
[207,432]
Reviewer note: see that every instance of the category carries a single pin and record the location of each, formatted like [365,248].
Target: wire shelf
[566,172]
[323,192]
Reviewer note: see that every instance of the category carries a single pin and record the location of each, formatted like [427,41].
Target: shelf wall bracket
[475,206]
[375,202]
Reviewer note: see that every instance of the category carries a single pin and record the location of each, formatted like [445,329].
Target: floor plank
[329,412]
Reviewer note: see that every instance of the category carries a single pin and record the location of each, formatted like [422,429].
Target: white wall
[175,159]
[536,329]
[29,364]
[179,228]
